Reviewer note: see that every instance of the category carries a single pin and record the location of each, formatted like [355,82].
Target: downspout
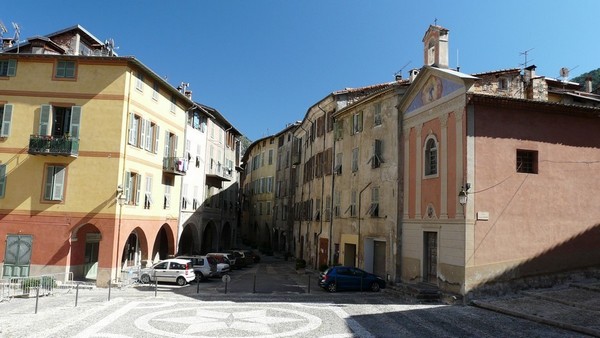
[333,174]
[222,168]
[317,245]
[358,212]
[400,199]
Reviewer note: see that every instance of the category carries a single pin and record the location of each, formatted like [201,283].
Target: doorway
[430,257]
[350,255]
[17,256]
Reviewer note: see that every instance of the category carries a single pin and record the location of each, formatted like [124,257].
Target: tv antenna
[17,34]
[564,72]
[401,69]
[110,46]
[526,53]
[2,29]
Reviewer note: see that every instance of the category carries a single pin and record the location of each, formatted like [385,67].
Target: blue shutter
[45,112]
[75,121]
[6,120]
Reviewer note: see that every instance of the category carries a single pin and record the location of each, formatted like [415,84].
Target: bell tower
[435,47]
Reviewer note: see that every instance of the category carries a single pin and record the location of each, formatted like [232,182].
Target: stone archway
[86,248]
[189,242]
[225,240]
[210,238]
[162,244]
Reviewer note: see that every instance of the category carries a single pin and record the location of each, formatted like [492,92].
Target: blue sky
[262,63]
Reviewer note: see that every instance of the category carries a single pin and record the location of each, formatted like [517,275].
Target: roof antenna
[398,74]
[17,34]
[526,53]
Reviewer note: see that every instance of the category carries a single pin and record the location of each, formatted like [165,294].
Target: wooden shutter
[75,121]
[167,143]
[2,179]
[142,140]
[12,68]
[156,138]
[6,120]
[45,111]
[131,139]
[138,185]
[59,183]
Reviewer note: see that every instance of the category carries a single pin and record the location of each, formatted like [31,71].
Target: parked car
[178,271]
[223,265]
[204,267]
[339,278]
[240,262]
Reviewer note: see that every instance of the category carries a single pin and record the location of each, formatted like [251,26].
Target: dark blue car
[339,278]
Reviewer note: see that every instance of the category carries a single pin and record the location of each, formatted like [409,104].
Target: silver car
[178,271]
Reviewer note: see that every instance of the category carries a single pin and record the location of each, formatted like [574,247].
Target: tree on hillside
[594,74]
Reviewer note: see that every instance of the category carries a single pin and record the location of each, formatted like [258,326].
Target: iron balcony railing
[50,145]
[175,165]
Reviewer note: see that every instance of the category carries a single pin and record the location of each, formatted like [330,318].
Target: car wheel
[332,287]
[199,277]
[145,279]
[375,287]
[181,281]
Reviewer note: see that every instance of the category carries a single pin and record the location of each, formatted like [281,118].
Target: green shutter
[6,120]
[2,180]
[12,68]
[45,112]
[75,121]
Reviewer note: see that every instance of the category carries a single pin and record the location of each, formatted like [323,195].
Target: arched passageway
[189,243]
[209,239]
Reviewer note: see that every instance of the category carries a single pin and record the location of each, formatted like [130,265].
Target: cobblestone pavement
[206,311]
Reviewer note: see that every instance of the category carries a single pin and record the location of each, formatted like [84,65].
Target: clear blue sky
[262,63]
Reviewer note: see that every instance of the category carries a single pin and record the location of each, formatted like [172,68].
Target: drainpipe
[359,204]
[317,245]
[333,174]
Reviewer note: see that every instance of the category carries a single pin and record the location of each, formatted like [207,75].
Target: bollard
[76,293]
[37,297]
[109,286]
[225,286]
[254,286]
[308,283]
[197,286]
[361,283]
[155,285]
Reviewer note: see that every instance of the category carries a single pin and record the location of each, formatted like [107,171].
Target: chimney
[188,93]
[588,84]
[398,77]
[529,73]
[412,75]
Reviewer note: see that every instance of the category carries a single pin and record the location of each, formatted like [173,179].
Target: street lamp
[462,195]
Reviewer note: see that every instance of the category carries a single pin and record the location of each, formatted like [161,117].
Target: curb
[576,328]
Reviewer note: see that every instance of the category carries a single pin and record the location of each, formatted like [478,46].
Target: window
[377,157]
[65,69]
[270,156]
[135,122]
[196,202]
[184,196]
[357,123]
[327,212]
[133,182]
[168,182]
[139,81]
[173,103]
[431,157]
[355,160]
[2,180]
[155,90]
[8,67]
[148,195]
[377,114]
[318,210]
[151,136]
[338,163]
[268,208]
[527,161]
[5,119]
[503,83]
[170,144]
[338,130]
[55,183]
[337,199]
[60,121]
[352,207]
[374,208]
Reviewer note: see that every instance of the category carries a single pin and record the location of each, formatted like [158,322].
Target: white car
[203,266]
[223,266]
[178,271]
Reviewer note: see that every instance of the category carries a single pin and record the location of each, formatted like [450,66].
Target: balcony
[217,174]
[175,165]
[56,146]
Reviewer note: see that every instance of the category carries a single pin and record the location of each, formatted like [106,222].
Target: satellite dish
[564,72]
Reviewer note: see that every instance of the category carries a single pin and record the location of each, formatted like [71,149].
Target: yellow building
[89,159]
